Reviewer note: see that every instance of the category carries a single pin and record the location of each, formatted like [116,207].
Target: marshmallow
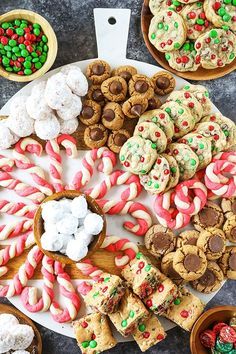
[21,352]
[7,139]
[47,129]
[68,126]
[76,250]
[70,110]
[23,336]
[7,340]
[79,207]
[57,93]
[83,236]
[53,211]
[7,320]
[93,224]
[51,242]
[36,104]
[68,224]
[65,238]
[77,82]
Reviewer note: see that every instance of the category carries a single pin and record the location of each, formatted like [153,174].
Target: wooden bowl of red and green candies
[28,45]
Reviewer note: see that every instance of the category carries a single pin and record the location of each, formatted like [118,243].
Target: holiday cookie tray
[112,41]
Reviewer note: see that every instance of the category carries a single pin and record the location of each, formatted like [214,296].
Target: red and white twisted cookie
[88,269]
[23,162]
[167,213]
[190,197]
[220,178]
[3,271]
[53,150]
[69,143]
[25,272]
[6,163]
[117,178]
[21,188]
[135,209]
[106,166]
[14,229]
[84,288]
[29,295]
[72,299]
[229,156]
[116,244]
[16,248]
[17,209]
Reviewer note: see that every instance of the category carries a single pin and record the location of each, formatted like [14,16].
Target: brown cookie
[117,139]
[212,241]
[210,216]
[98,71]
[229,206]
[125,71]
[141,85]
[168,270]
[135,106]
[230,228]
[95,136]
[90,113]
[188,237]
[164,83]
[112,116]
[228,262]
[114,89]
[160,240]
[211,280]
[95,94]
[154,103]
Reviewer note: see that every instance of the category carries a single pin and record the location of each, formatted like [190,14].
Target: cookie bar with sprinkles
[93,334]
[149,333]
[142,276]
[105,294]
[130,313]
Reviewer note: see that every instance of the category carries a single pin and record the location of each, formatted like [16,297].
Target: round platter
[105,38]
[200,74]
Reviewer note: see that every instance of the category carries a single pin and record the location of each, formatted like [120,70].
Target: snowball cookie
[19,122]
[50,228]
[76,250]
[65,239]
[65,69]
[77,81]
[93,224]
[47,129]
[7,320]
[83,236]
[23,335]
[53,211]
[70,110]
[57,93]
[68,126]
[21,352]
[36,104]
[51,241]
[68,224]
[66,204]
[79,207]
[17,103]
[7,139]
[7,340]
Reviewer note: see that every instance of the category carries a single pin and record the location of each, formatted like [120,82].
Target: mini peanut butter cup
[161,240]
[208,217]
[192,262]
[216,243]
[207,279]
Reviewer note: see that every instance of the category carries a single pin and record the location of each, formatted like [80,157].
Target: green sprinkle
[156,185]
[124,323]
[178,101]
[227,1]
[201,146]
[154,119]
[129,145]
[106,279]
[190,140]
[167,56]
[213,34]
[199,4]
[176,3]
[139,255]
[192,162]
[95,294]
[142,327]
[224,27]
[93,344]
[122,158]
[234,2]
[148,267]
[206,93]
[216,41]
[143,172]
[176,45]
[166,27]
[153,36]
[173,169]
[177,301]
[85,344]
[226,133]
[131,314]
[181,111]
[149,183]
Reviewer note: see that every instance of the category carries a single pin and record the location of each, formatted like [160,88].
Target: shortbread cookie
[186,159]
[98,71]
[160,240]
[195,20]
[188,237]
[227,126]
[168,270]
[181,116]
[230,228]
[189,100]
[221,13]
[210,216]
[95,136]
[125,71]
[138,155]
[214,133]
[154,103]
[112,116]
[183,59]
[211,280]
[167,31]
[141,85]
[114,89]
[216,48]
[174,172]
[190,262]
[229,206]
[95,94]
[149,130]
[212,241]
[158,5]
[117,139]
[164,83]
[228,262]
[135,106]
[201,146]
[202,95]
[91,112]
[157,179]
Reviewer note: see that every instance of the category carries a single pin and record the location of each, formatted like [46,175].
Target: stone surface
[73,24]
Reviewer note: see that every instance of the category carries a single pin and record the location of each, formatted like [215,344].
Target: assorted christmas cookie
[210,216]
[189,100]
[167,31]
[164,83]
[160,240]
[117,139]
[90,113]
[188,237]
[138,155]
[114,89]
[98,71]
[211,280]
[216,48]
[187,159]
[112,116]
[214,133]
[135,106]
[141,85]
[202,95]
[125,71]
[212,241]
[95,136]
[230,228]
[189,262]
[149,130]
[183,59]
[174,172]
[158,5]
[228,262]
[221,13]
[229,206]
[168,270]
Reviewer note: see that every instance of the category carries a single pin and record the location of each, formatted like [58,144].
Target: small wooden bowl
[52,43]
[36,346]
[199,74]
[39,226]
[206,321]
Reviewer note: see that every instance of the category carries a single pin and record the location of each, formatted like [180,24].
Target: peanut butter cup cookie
[212,241]
[168,270]
[141,85]
[91,112]
[188,237]
[230,228]
[164,83]
[210,216]
[117,139]
[114,89]
[125,71]
[228,262]
[135,106]
[229,206]
[159,240]
[211,280]
[95,136]
[98,71]
[112,116]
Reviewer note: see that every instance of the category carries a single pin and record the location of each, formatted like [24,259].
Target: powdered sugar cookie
[212,131]
[189,100]
[36,104]
[47,129]
[57,93]
[71,110]
[167,31]
[77,81]
[183,59]
[68,126]
[149,130]
[201,94]
[158,5]
[6,340]
[7,320]
[23,335]
[19,121]
[221,13]
[6,137]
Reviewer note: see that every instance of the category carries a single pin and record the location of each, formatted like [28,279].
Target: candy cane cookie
[229,156]
[3,271]
[14,229]
[23,162]
[29,295]
[17,209]
[88,269]
[53,150]
[69,143]
[135,209]
[6,163]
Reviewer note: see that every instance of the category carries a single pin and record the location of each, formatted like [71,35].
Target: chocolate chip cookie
[210,216]
[91,112]
[117,139]
[95,136]
[98,71]
[135,106]
[125,71]
[141,85]
[188,237]
[159,240]
[168,270]
[114,89]
[213,242]
[95,94]
[164,83]
[112,116]
[211,280]
[229,206]
[228,262]
[230,228]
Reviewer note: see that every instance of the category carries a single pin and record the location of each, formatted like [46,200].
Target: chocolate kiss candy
[136,110]
[108,114]
[125,75]
[98,95]
[163,82]
[233,207]
[96,134]
[115,87]
[141,86]
[192,262]
[98,69]
[120,139]
[87,112]
[233,233]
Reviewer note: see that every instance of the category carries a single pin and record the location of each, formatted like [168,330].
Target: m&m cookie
[213,132]
[189,100]
[162,119]
[221,13]
[149,130]
[202,95]
[158,5]
[183,59]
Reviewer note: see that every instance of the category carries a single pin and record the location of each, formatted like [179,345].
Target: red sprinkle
[142,159]
[213,56]
[211,128]
[187,95]
[160,288]
[84,324]
[185,59]
[126,164]
[162,44]
[93,336]
[166,172]
[185,123]
[176,129]
[219,62]
[216,137]
[192,15]
[208,40]
[184,314]
[105,289]
[178,60]
[160,336]
[169,13]
[146,334]
[158,161]
[198,45]
[141,128]
[169,42]
[191,104]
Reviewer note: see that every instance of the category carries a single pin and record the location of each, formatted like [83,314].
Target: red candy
[185,59]
[218,327]
[217,6]
[162,115]
[149,303]
[198,45]
[191,104]
[84,324]
[192,15]
[184,314]
[187,95]
[160,336]
[228,334]
[208,338]
[169,42]
[160,288]
[146,335]
[157,134]
[198,28]
[140,129]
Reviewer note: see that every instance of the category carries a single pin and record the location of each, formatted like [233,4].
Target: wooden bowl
[200,74]
[39,226]
[206,321]
[36,346]
[52,43]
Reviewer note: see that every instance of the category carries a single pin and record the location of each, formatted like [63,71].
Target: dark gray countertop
[73,23]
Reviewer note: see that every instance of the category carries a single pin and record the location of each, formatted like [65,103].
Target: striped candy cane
[17,209]
[6,163]
[14,229]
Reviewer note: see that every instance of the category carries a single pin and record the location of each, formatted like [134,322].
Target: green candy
[131,314]
[142,327]
[24,21]
[20,31]
[23,25]
[173,169]
[217,41]
[36,31]
[13,57]
[9,68]
[181,111]
[168,110]
[27,64]
[190,140]
[167,56]
[233,351]
[231,56]
[44,38]
[29,58]
[34,55]
[22,46]
[201,146]
[148,267]
[234,2]
[5,61]
[226,18]
[124,323]
[139,255]
[149,183]
[224,27]
[42,58]
[36,25]
[9,55]
[166,27]
[223,347]
[15,49]
[227,1]
[193,162]
[85,344]
[12,42]
[221,11]
[156,185]
[24,53]
[93,344]
[27,71]
[17,22]
[153,36]
[177,301]
[186,47]
[213,34]
[38,65]
[160,25]
[176,45]
[5,25]
[16,69]
[200,21]
[7,48]
[35,60]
